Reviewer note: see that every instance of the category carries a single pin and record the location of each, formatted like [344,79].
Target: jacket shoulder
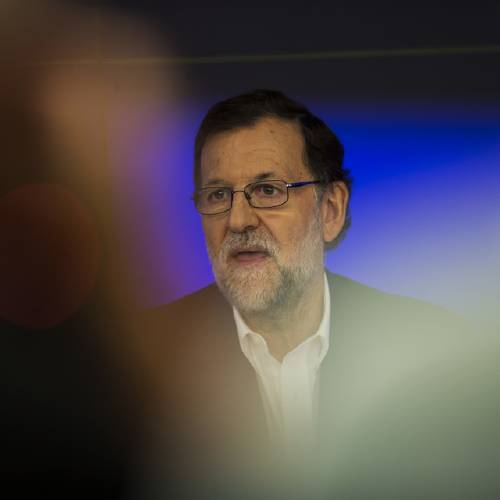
[200,310]
[199,299]
[362,304]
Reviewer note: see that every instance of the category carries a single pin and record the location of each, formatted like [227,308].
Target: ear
[334,209]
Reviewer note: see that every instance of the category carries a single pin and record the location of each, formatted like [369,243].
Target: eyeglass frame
[248,196]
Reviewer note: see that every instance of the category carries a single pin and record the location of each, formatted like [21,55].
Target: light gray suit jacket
[408,404]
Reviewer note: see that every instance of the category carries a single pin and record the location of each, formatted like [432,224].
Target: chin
[251,291]
[251,303]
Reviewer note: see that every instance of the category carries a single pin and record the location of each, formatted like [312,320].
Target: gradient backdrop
[425,203]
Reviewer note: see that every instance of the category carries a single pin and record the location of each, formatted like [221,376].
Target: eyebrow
[264,175]
[221,182]
[215,182]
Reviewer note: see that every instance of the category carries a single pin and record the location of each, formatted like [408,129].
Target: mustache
[236,241]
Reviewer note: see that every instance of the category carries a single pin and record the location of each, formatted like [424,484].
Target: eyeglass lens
[264,194]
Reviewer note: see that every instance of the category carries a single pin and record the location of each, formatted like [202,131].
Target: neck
[287,327]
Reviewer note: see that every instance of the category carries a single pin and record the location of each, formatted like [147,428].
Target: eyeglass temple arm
[300,184]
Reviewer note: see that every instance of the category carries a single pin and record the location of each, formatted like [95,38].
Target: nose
[242,216]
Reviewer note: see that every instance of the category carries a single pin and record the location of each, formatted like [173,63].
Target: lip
[249,255]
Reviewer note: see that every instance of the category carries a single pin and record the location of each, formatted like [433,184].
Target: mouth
[249,255]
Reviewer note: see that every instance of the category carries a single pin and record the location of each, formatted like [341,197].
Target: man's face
[262,257]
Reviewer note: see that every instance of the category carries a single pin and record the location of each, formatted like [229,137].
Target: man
[284,373]
[267,211]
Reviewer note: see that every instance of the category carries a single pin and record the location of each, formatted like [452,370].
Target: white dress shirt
[289,389]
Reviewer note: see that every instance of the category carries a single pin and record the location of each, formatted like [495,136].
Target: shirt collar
[322,333]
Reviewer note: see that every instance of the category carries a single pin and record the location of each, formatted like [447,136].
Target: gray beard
[276,288]
[249,297]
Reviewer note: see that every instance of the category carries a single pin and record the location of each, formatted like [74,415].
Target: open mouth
[249,255]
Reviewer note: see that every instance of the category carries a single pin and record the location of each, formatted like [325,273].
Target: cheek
[291,233]
[284,234]
[214,235]
[287,226]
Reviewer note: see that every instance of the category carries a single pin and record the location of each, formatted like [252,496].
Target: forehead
[272,146]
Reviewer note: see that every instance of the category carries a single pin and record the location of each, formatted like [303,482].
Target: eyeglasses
[263,194]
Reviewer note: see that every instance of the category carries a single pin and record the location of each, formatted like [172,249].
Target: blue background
[425,202]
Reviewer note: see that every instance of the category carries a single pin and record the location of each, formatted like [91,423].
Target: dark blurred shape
[49,255]
[73,404]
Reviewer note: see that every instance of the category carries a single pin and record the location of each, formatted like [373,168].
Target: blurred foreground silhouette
[72,403]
